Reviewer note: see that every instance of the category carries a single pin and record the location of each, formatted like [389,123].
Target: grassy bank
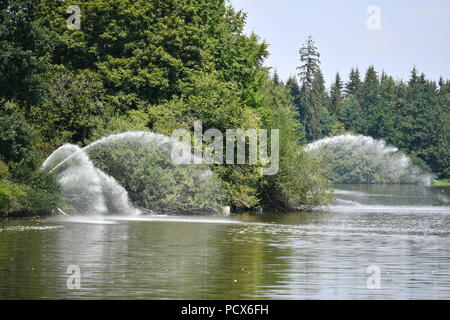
[35,194]
[441,183]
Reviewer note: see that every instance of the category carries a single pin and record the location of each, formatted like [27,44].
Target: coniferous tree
[276,78]
[351,115]
[322,105]
[414,77]
[319,90]
[354,85]
[422,124]
[414,116]
[294,90]
[336,96]
[370,88]
[441,82]
[370,100]
[312,115]
[311,89]
[381,117]
[310,59]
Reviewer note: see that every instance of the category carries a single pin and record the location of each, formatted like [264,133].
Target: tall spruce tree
[351,115]
[370,100]
[294,90]
[336,96]
[310,61]
[310,97]
[354,84]
[319,90]
[441,83]
[276,78]
[321,104]
[380,118]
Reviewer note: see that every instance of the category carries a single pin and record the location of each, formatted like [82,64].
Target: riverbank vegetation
[441,183]
[159,66]
[140,65]
[37,195]
[412,115]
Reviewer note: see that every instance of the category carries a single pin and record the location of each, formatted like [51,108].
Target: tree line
[412,115]
[161,65]
[140,65]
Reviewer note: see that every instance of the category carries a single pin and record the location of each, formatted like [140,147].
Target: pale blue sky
[414,32]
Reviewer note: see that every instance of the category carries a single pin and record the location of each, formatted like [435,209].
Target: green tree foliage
[17,141]
[327,121]
[354,85]
[72,108]
[371,99]
[337,129]
[4,171]
[294,90]
[381,118]
[310,61]
[412,116]
[136,65]
[26,49]
[320,109]
[422,125]
[300,182]
[39,195]
[219,106]
[147,49]
[312,89]
[10,197]
[23,188]
[336,96]
[276,78]
[351,115]
[154,182]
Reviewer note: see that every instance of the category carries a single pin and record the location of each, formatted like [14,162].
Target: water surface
[403,230]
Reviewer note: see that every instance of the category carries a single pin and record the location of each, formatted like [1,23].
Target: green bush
[39,196]
[301,182]
[17,137]
[12,197]
[153,181]
[4,171]
[43,193]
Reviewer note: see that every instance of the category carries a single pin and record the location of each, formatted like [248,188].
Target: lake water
[401,231]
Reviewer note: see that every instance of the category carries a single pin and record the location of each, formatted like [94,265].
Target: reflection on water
[316,255]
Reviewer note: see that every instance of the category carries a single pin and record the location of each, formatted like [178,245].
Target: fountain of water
[87,189]
[362,159]
[110,174]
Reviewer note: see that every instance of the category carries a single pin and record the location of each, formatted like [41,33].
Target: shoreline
[441,183]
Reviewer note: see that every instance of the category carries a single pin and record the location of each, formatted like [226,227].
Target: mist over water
[395,199]
[362,159]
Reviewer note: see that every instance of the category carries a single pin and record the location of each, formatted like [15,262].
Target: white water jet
[90,190]
[362,159]
[87,189]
